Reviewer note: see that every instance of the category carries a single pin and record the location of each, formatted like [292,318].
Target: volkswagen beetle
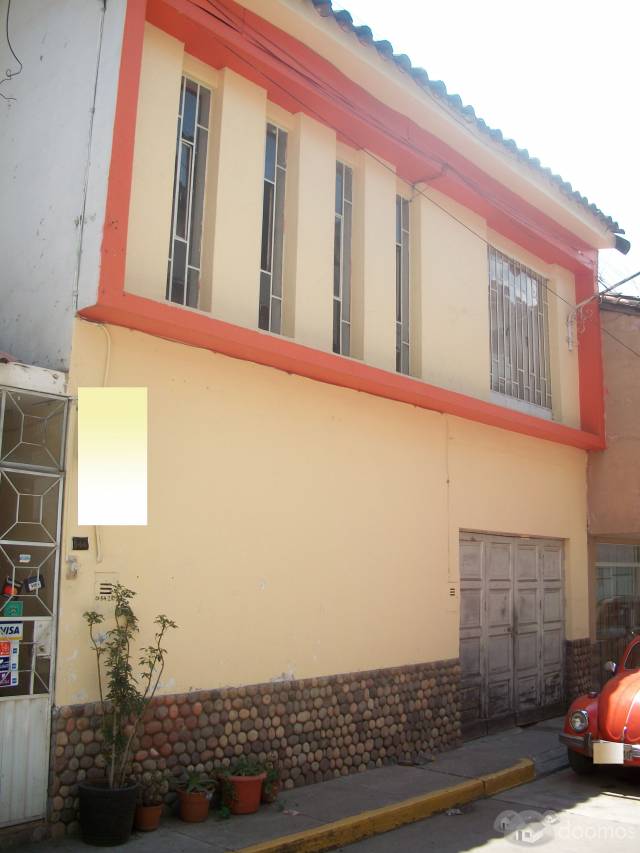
[604,728]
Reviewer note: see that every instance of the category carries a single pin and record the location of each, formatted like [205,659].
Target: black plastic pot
[106,814]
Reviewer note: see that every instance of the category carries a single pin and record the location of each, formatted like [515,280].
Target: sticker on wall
[10,630]
[13,609]
[112,456]
[11,587]
[24,558]
[9,653]
[33,584]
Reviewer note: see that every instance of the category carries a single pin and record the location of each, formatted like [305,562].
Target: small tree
[124,697]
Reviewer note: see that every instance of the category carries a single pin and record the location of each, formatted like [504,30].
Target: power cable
[9,74]
[357,145]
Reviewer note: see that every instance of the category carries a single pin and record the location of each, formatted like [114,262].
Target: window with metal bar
[519,326]
[183,273]
[275,170]
[342,260]
[402,285]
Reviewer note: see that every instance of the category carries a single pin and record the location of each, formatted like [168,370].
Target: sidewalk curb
[375,822]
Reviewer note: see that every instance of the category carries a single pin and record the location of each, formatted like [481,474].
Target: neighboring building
[358,577]
[614,486]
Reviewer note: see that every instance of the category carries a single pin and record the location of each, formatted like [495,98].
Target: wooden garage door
[511,630]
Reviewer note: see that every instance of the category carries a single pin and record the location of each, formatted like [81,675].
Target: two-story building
[347,297]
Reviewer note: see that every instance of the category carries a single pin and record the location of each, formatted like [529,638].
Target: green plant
[197,783]
[271,785]
[124,696]
[152,787]
[273,773]
[246,765]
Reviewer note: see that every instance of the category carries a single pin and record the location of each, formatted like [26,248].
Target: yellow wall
[299,528]
[449,300]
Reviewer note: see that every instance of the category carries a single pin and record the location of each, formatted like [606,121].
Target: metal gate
[32,439]
[511,630]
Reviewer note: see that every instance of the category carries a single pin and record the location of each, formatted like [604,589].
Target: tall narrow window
[402,285]
[275,170]
[183,274]
[342,261]
[519,325]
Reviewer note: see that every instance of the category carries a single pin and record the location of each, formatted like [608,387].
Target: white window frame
[271,287]
[187,293]
[343,232]
[403,285]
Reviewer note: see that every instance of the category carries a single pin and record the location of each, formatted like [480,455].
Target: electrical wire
[9,74]
[296,66]
[444,166]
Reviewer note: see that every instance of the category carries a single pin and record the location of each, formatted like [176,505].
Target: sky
[561,77]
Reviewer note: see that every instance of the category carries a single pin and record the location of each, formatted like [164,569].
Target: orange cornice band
[165,320]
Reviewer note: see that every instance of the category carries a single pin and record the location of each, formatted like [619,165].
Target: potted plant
[194,796]
[152,787]
[271,784]
[244,785]
[107,808]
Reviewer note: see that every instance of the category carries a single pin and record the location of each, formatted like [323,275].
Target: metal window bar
[271,258]
[183,271]
[402,285]
[342,260]
[519,331]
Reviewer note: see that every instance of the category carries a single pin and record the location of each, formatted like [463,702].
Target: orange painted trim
[116,222]
[164,320]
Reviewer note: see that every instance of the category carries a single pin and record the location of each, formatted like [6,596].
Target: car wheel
[579,763]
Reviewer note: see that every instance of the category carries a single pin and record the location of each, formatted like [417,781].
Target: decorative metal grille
[183,274]
[32,431]
[275,170]
[342,260]
[519,325]
[402,285]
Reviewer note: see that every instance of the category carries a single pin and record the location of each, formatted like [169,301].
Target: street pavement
[559,813]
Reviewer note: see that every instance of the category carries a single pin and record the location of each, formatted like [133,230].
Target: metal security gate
[511,630]
[32,438]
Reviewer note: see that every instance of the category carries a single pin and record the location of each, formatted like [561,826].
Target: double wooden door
[511,630]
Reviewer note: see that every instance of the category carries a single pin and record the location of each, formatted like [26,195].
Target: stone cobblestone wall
[579,668]
[316,729]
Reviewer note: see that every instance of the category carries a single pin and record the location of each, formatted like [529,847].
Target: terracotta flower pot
[247,791]
[147,818]
[194,806]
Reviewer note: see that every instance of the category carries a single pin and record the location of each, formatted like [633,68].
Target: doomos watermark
[530,828]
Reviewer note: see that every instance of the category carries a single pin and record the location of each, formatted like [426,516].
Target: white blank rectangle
[112,456]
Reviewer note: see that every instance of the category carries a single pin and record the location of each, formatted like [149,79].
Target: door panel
[511,628]
[473,696]
[32,430]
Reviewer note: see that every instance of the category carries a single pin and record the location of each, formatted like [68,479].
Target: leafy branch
[124,696]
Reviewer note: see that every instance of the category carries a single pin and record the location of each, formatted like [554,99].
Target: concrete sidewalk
[343,810]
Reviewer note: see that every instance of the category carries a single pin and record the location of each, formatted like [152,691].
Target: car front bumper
[584,743]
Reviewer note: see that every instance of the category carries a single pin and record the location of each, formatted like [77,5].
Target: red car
[604,728]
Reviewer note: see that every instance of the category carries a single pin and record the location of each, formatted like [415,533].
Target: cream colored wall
[449,304]
[297,528]
[455,296]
